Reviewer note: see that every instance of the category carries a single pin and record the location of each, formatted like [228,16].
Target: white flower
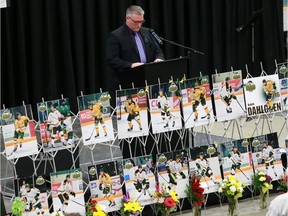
[220,190]
[224,180]
[240,189]
[233,182]
[232,189]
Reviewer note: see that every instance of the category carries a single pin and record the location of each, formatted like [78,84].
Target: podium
[150,72]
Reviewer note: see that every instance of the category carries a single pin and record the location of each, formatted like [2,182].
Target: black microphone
[158,39]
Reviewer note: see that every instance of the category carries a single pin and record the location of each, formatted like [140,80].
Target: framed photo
[18,132]
[164,106]
[95,118]
[262,95]
[132,116]
[172,170]
[67,191]
[56,127]
[139,178]
[196,102]
[105,185]
[228,95]
[205,164]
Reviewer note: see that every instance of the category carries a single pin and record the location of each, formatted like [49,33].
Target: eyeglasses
[137,22]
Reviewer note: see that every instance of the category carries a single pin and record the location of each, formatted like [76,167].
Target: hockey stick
[240,169]
[77,203]
[91,134]
[207,114]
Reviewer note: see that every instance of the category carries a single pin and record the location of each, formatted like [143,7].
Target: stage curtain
[54,47]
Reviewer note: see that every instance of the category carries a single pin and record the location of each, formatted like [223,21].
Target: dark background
[54,47]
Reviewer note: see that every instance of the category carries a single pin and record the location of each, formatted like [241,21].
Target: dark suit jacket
[121,50]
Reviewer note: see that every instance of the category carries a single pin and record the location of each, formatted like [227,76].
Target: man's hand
[158,60]
[136,64]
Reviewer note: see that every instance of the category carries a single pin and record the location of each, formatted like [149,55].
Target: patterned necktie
[140,48]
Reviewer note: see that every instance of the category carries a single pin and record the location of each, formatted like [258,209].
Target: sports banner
[205,164]
[283,79]
[132,117]
[228,95]
[55,125]
[105,185]
[196,102]
[19,134]
[266,155]
[236,160]
[172,172]
[95,118]
[262,95]
[67,191]
[139,178]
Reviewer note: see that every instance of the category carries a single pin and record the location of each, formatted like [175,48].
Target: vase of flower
[263,199]
[197,210]
[232,206]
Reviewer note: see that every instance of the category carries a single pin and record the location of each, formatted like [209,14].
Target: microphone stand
[182,46]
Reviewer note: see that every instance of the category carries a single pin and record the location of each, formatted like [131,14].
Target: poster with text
[18,130]
[139,178]
[33,194]
[95,118]
[67,191]
[132,117]
[164,106]
[172,170]
[196,102]
[283,79]
[262,95]
[105,185]
[266,155]
[236,160]
[204,163]
[228,95]
[55,125]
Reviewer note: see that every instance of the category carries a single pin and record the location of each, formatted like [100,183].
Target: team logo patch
[162,158]
[6,114]
[211,150]
[40,180]
[128,165]
[250,86]
[283,69]
[245,143]
[236,76]
[255,142]
[92,171]
[204,81]
[104,97]
[76,175]
[173,87]
[42,107]
[141,93]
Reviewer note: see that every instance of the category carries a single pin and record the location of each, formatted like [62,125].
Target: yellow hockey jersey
[269,87]
[21,124]
[198,94]
[132,108]
[97,111]
[105,179]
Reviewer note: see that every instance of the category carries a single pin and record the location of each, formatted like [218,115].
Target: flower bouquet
[195,194]
[283,186]
[94,209]
[166,200]
[232,189]
[130,206]
[262,182]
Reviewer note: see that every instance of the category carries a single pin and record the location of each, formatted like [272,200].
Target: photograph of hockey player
[206,166]
[139,181]
[34,198]
[67,191]
[19,134]
[282,70]
[173,172]
[105,185]
[235,159]
[164,105]
[95,118]
[132,117]
[196,102]
[262,95]
[266,155]
[55,125]
[228,95]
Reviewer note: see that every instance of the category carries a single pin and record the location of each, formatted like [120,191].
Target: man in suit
[132,45]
